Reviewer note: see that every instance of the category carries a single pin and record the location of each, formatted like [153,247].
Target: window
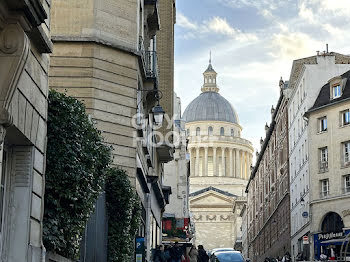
[188,132]
[324,187]
[346,147]
[336,91]
[222,131]
[210,131]
[322,124]
[323,159]
[210,166]
[232,132]
[347,184]
[198,131]
[345,118]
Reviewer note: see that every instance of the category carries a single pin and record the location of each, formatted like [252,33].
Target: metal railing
[149,60]
[323,166]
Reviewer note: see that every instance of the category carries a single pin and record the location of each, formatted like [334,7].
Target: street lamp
[158,114]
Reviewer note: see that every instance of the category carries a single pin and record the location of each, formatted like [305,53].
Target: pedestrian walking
[159,255]
[286,257]
[202,254]
[176,253]
[193,254]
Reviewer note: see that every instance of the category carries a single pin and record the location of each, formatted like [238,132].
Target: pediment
[211,199]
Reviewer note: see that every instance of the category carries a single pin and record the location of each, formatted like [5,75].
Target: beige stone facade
[329,145]
[268,213]
[105,54]
[220,164]
[24,65]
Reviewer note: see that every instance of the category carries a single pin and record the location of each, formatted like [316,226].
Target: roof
[209,69]
[211,188]
[210,106]
[324,97]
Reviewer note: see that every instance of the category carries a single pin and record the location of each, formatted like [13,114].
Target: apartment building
[106,55]
[24,64]
[268,215]
[306,79]
[329,163]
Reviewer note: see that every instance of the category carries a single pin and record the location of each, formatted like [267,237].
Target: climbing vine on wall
[124,215]
[76,163]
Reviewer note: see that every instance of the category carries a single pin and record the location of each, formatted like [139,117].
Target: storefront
[332,237]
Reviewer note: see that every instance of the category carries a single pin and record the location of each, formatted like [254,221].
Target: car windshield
[229,257]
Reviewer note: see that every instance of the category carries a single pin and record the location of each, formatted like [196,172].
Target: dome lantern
[209,75]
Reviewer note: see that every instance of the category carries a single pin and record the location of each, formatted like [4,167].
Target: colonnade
[226,161]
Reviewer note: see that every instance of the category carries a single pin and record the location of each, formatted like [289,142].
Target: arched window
[210,131]
[332,223]
[222,131]
[198,131]
[232,132]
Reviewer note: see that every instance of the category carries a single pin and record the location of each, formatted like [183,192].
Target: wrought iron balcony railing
[149,61]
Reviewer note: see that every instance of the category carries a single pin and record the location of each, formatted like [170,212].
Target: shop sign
[331,235]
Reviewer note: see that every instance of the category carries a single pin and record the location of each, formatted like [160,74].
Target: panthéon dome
[210,105]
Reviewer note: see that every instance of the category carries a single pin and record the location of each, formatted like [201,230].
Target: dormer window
[336,91]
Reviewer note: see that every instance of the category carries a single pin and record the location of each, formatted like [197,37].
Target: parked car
[220,249]
[227,256]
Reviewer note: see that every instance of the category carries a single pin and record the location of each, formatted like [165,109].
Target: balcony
[149,61]
[323,166]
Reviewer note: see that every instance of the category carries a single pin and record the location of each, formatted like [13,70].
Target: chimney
[327,48]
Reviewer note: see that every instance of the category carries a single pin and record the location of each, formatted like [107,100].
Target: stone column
[231,163]
[237,164]
[214,161]
[197,162]
[206,161]
[223,161]
[241,158]
[192,163]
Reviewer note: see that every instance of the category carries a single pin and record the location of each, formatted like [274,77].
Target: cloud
[184,22]
[220,25]
[216,24]
[291,45]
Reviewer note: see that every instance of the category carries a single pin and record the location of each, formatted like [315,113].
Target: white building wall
[302,98]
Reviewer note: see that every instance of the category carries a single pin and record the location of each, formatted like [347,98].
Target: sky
[253,43]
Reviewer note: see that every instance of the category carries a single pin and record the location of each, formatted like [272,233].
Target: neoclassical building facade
[220,165]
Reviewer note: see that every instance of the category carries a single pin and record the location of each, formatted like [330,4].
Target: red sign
[305,240]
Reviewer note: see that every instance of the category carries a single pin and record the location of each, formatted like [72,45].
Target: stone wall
[105,79]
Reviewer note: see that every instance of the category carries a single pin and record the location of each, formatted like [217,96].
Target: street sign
[305,240]
[305,214]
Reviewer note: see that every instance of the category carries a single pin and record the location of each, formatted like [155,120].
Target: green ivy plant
[124,215]
[76,163]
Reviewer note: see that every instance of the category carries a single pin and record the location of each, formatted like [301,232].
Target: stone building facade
[307,77]
[220,162]
[268,215]
[329,158]
[105,54]
[176,175]
[24,65]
